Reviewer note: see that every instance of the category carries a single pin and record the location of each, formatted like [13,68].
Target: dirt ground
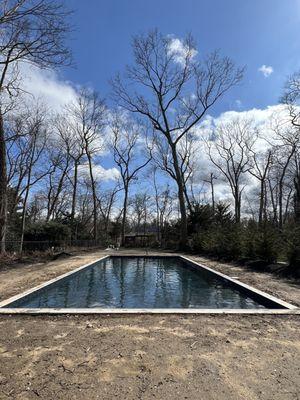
[148,357]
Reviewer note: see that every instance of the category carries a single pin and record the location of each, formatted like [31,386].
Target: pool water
[139,282]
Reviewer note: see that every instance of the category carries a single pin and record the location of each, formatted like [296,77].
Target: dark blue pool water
[138,282]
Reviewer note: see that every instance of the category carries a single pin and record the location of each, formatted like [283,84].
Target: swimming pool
[139,282]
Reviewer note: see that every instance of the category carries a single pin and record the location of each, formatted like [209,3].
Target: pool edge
[147,311]
[42,285]
[287,307]
[245,286]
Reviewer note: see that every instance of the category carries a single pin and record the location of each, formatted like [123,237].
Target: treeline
[228,188]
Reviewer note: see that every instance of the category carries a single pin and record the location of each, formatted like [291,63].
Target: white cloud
[46,85]
[100,173]
[266,70]
[179,50]
[110,174]
[261,119]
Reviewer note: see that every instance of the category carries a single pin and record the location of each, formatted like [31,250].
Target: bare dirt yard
[148,356]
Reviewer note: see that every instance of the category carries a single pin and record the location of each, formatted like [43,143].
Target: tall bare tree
[291,98]
[70,142]
[260,164]
[163,204]
[124,144]
[141,211]
[210,180]
[59,155]
[89,119]
[31,31]
[36,133]
[169,88]
[106,202]
[297,187]
[186,153]
[230,153]
[286,147]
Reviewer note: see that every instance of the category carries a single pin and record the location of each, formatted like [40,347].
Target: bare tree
[26,138]
[89,119]
[106,202]
[59,156]
[16,155]
[173,92]
[260,165]
[163,205]
[210,180]
[297,187]
[291,98]
[186,152]
[230,153]
[286,145]
[37,139]
[70,140]
[141,211]
[124,144]
[31,32]
[64,152]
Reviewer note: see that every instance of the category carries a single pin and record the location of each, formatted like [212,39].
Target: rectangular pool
[128,282]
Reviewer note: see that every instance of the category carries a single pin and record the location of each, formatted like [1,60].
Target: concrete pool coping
[287,307]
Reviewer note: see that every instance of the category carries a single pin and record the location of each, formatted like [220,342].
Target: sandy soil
[146,357]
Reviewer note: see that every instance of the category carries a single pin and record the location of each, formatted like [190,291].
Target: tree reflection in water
[139,282]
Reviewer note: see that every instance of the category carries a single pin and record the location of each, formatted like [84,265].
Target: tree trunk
[158,225]
[58,191]
[183,224]
[280,203]
[161,229]
[273,202]
[297,198]
[181,199]
[107,217]
[261,201]
[237,205]
[124,215]
[74,194]
[27,194]
[23,220]
[212,193]
[49,203]
[3,187]
[281,185]
[158,219]
[94,197]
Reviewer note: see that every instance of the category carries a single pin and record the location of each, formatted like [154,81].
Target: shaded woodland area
[170,168]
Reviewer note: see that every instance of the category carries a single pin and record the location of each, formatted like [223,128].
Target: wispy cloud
[179,50]
[47,86]
[100,172]
[266,70]
[260,118]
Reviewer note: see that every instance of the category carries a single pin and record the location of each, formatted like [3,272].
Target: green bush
[268,243]
[47,231]
[201,217]
[218,235]
[250,236]
[224,242]
[292,234]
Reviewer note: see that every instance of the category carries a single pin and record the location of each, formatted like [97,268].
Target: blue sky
[252,32]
